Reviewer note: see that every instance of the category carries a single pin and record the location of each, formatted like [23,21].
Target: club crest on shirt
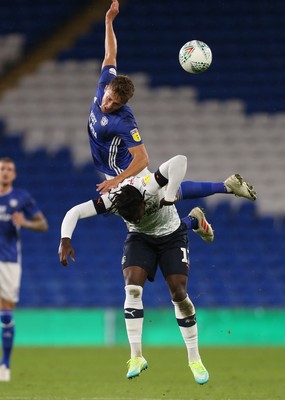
[13,203]
[136,135]
[112,71]
[104,121]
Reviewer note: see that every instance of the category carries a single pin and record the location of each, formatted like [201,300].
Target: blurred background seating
[229,119]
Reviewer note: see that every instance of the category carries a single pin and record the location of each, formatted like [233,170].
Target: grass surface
[100,374]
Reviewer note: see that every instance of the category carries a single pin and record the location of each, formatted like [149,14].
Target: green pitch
[99,374]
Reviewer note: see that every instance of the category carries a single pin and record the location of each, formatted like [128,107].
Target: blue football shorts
[169,252]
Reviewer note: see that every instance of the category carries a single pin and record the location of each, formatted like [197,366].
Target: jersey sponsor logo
[91,122]
[136,135]
[92,130]
[152,206]
[104,121]
[112,71]
[4,216]
[92,117]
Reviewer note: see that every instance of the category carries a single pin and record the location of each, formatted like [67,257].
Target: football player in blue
[17,210]
[116,146]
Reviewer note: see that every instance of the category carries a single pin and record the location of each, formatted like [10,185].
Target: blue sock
[8,331]
[193,190]
[191,222]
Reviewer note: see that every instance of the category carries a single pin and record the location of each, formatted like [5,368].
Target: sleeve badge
[146,180]
[136,135]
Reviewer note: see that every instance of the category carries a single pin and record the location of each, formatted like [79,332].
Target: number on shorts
[185,252]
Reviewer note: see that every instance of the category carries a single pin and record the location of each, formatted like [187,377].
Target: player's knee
[7,318]
[133,291]
[178,294]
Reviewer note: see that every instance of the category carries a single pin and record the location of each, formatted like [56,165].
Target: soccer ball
[195,57]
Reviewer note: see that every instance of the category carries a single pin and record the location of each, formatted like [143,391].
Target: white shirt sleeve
[83,210]
[174,170]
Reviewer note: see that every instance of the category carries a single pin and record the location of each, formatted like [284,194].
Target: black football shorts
[170,252]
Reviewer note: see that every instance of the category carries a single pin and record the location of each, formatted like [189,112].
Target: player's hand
[18,219]
[163,202]
[65,249]
[113,10]
[107,185]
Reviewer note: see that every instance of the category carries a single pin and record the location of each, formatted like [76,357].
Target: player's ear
[14,173]
[106,87]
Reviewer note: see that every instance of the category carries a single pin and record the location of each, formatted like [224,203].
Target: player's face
[111,101]
[7,172]
[137,217]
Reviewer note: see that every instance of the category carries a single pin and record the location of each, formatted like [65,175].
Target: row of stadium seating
[242,267]
[35,20]
[52,110]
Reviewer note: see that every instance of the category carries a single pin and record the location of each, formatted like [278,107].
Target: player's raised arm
[110,37]
[170,173]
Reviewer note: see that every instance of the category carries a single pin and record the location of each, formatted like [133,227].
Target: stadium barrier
[104,327]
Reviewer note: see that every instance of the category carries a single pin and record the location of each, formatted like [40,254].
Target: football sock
[8,331]
[193,190]
[191,222]
[186,319]
[134,314]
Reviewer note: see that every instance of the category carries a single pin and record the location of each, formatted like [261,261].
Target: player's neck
[5,188]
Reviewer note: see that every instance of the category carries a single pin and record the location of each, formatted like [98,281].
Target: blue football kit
[111,135]
[16,200]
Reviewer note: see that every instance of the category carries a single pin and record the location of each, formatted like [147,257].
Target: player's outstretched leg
[232,185]
[135,366]
[204,229]
[236,185]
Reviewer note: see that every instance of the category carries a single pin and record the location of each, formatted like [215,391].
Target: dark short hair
[7,160]
[123,87]
[127,202]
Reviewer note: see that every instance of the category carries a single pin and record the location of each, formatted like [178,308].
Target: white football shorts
[10,279]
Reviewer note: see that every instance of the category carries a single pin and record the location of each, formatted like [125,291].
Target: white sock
[186,319]
[134,318]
